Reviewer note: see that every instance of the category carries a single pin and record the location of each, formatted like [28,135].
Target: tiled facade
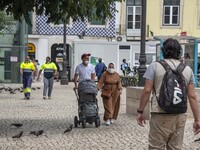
[43,28]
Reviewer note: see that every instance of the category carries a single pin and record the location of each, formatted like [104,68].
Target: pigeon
[18,135]
[68,129]
[17,89]
[12,92]
[33,88]
[17,125]
[37,133]
[197,140]
[10,89]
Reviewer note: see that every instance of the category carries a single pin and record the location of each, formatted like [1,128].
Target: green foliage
[5,22]
[57,10]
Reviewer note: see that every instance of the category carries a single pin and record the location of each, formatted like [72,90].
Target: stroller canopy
[87,86]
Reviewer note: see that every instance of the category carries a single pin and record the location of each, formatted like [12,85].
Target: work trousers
[48,86]
[27,81]
[111,107]
[166,131]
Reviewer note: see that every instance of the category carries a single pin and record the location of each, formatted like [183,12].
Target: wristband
[140,111]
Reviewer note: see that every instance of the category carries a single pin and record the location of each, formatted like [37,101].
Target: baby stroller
[87,104]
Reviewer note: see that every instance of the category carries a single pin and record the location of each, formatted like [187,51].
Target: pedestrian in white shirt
[83,71]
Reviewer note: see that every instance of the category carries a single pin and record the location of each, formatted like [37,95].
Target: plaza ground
[55,115]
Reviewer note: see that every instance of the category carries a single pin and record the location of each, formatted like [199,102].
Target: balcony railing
[121,29]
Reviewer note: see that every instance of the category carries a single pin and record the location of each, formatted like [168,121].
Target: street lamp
[142,59]
[64,78]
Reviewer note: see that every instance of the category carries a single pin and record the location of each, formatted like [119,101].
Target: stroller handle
[75,91]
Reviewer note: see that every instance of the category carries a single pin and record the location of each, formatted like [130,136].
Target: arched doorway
[57,56]
[31,50]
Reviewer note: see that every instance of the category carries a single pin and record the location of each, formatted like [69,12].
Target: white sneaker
[112,121]
[107,122]
[44,97]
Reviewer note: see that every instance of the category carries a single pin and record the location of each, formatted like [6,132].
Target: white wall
[43,50]
[108,51]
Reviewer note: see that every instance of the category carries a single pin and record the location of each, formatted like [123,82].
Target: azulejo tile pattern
[43,28]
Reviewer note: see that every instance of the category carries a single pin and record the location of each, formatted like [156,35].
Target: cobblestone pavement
[55,115]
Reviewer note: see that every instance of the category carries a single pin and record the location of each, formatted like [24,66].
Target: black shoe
[27,97]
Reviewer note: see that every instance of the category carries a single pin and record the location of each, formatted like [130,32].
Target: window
[134,2]
[171,12]
[134,17]
[96,21]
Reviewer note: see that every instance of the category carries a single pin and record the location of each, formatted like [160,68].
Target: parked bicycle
[131,78]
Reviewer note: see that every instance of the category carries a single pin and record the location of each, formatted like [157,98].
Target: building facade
[46,39]
[13,49]
[163,18]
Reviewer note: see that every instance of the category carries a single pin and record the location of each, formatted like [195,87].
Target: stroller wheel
[97,122]
[84,123]
[76,121]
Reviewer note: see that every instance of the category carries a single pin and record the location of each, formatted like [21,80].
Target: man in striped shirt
[49,70]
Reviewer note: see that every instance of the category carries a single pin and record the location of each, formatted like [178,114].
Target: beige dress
[112,104]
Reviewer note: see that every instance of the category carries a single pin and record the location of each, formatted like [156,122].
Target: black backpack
[173,93]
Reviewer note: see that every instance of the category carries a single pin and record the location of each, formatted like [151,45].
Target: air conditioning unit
[119,38]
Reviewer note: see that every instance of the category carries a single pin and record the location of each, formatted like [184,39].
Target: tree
[5,22]
[60,10]
[57,10]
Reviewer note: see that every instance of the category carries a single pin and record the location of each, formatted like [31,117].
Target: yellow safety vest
[27,67]
[49,69]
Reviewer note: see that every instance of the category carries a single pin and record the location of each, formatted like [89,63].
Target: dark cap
[84,55]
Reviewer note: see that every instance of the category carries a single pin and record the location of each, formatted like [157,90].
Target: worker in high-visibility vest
[50,70]
[27,71]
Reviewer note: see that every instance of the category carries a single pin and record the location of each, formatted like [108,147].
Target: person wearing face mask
[83,71]
[110,81]
[50,70]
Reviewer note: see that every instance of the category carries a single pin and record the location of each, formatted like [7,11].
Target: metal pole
[64,78]
[142,59]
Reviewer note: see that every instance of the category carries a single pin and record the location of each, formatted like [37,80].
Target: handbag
[106,93]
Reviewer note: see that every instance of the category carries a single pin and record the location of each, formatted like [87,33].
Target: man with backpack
[170,82]
[100,68]
[124,67]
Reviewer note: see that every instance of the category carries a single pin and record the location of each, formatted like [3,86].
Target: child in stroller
[87,104]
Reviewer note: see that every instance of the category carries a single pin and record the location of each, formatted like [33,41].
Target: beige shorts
[166,131]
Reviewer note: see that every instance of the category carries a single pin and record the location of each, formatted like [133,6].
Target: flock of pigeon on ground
[14,90]
[18,125]
[36,133]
